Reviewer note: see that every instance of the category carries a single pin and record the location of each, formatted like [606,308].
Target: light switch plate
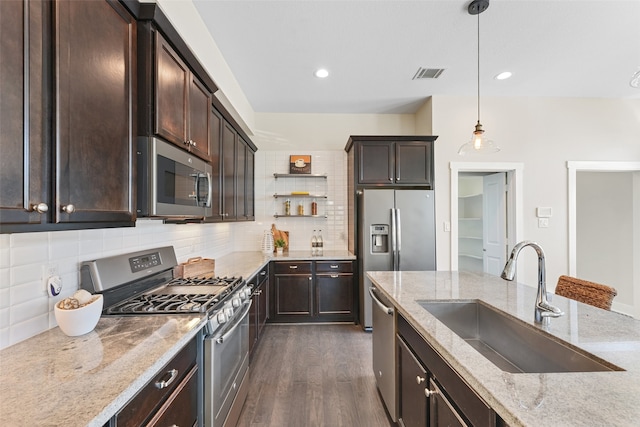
[543,212]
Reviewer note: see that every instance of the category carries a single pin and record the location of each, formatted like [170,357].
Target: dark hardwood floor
[313,375]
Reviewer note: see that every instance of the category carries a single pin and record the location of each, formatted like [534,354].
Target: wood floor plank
[313,375]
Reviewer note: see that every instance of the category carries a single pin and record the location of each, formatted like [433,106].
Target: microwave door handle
[197,187]
[210,184]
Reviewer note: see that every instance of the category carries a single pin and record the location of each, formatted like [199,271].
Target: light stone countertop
[552,399]
[55,380]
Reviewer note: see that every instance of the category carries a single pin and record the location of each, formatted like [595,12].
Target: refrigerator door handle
[394,241]
[398,237]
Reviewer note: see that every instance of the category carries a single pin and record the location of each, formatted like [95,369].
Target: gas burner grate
[204,281]
[149,304]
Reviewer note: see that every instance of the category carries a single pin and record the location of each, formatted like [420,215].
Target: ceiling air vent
[428,73]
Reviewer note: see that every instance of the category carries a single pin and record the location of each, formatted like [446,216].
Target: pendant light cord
[478,68]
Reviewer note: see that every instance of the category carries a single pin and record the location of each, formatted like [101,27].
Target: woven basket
[587,292]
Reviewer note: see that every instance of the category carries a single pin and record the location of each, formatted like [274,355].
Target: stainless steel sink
[509,343]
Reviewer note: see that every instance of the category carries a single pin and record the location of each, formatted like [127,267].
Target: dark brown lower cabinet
[171,398]
[431,393]
[259,311]
[412,382]
[312,291]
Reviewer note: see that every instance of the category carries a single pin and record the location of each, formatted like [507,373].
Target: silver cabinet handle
[429,393]
[419,379]
[334,266]
[263,273]
[194,143]
[173,374]
[293,267]
[40,208]
[334,276]
[68,208]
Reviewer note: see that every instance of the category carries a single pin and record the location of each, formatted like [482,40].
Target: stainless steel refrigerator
[396,231]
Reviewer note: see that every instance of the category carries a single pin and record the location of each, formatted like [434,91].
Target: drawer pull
[334,266]
[165,383]
[263,273]
[419,379]
[293,267]
[334,276]
[429,393]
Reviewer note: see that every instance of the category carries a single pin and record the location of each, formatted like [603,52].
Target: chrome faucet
[543,309]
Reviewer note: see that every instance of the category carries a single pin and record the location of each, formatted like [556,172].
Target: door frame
[573,167]
[515,200]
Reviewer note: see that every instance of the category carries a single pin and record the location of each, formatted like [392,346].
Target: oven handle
[226,335]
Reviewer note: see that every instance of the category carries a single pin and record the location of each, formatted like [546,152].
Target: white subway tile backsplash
[31,308]
[29,328]
[26,310]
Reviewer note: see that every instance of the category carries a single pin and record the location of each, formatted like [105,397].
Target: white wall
[543,133]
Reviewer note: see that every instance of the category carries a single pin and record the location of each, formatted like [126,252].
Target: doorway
[489,247]
[604,228]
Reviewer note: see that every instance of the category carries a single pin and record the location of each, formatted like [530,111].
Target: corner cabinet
[393,160]
[71,106]
[302,197]
[312,291]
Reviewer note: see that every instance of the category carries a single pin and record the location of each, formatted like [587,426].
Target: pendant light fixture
[479,143]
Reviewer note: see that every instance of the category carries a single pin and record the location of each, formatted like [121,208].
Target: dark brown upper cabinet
[67,160]
[392,160]
[175,104]
[233,173]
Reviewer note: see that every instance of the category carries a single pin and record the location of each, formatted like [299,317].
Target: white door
[494,229]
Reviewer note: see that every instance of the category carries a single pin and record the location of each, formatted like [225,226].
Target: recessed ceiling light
[503,76]
[321,73]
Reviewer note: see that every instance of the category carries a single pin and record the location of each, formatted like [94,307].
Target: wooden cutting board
[195,267]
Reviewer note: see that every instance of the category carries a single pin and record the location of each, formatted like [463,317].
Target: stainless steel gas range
[142,283]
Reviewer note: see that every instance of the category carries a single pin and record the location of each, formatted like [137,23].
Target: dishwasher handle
[387,310]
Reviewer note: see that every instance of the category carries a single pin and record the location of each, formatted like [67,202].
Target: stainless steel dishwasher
[384,351]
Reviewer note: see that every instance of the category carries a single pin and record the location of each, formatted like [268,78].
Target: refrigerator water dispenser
[379,239]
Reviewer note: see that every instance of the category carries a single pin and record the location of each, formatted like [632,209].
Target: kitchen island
[528,399]
[55,380]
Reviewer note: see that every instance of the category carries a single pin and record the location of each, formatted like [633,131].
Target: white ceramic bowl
[80,320]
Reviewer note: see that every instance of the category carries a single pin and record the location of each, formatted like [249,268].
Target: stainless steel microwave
[172,183]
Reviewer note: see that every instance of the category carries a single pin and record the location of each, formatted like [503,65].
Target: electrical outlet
[543,222]
[48,271]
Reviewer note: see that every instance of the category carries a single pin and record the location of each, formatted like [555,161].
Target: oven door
[226,360]
[181,183]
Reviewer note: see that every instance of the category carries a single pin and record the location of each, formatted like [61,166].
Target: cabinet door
[24,171]
[413,382]
[249,179]
[95,88]
[172,82]
[293,295]
[334,296]
[413,162]
[375,164]
[240,189]
[229,141]
[198,113]
[215,143]
[441,411]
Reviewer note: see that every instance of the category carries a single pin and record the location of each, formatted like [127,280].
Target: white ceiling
[373,48]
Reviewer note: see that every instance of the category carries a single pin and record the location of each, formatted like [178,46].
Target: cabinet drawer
[283,267]
[181,409]
[334,266]
[152,396]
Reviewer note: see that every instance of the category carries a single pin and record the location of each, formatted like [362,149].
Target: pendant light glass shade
[479,143]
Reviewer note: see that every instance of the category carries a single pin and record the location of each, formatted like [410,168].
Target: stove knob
[236,302]
[222,318]
[228,312]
